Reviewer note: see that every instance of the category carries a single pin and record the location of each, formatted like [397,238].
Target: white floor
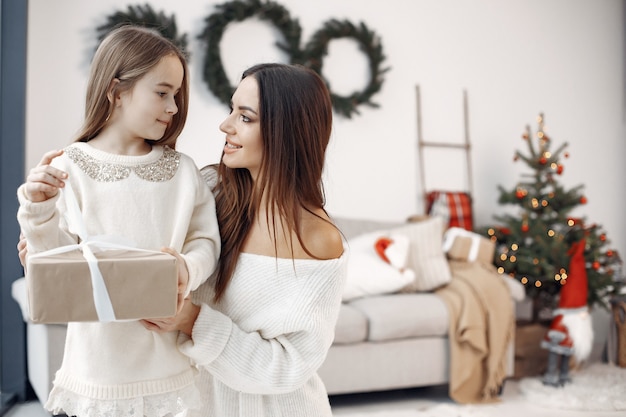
[513,404]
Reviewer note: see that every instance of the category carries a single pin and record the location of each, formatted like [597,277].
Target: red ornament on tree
[583,200]
[603,237]
[525,228]
[559,169]
[596,265]
[543,160]
[609,253]
[520,193]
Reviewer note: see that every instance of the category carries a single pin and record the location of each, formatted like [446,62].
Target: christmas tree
[533,245]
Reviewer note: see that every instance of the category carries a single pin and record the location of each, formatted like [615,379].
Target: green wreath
[369,43]
[236,11]
[239,10]
[147,17]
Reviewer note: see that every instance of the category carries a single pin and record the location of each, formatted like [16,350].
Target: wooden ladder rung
[446,145]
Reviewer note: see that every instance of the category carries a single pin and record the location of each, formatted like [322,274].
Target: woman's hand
[22,250]
[43,181]
[183,321]
[183,276]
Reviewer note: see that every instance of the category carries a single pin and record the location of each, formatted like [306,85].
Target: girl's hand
[183,321]
[43,181]
[183,277]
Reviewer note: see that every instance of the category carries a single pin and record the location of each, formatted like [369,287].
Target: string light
[543,227]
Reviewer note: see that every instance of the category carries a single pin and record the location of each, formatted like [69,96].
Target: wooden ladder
[465,146]
[421,143]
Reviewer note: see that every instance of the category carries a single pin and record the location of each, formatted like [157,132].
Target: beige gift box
[140,284]
[468,246]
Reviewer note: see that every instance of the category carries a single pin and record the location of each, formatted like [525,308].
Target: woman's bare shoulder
[321,237]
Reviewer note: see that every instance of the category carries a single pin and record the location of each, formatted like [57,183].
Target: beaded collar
[159,171]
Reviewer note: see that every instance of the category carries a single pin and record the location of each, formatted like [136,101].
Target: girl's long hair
[128,53]
[296,122]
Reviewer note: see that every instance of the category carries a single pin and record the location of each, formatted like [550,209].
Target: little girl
[129,181]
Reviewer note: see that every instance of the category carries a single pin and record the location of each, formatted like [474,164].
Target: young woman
[260,327]
[129,181]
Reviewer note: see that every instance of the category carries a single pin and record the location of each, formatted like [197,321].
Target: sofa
[382,342]
[393,340]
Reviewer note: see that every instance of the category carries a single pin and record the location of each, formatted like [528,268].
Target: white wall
[515,58]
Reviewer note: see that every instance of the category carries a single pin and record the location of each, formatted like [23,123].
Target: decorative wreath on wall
[147,17]
[236,11]
[369,43]
[239,10]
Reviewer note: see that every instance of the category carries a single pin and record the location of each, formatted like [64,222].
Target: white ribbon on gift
[87,246]
[454,232]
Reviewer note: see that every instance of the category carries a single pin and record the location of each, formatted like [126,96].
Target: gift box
[468,246]
[530,358]
[135,284]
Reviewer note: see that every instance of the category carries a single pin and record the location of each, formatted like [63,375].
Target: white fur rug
[441,410]
[597,387]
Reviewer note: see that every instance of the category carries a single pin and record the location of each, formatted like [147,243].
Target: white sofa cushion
[351,326]
[401,316]
[351,227]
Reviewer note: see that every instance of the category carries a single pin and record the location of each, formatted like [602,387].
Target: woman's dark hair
[296,121]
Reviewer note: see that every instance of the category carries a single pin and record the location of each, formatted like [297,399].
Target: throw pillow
[426,256]
[376,265]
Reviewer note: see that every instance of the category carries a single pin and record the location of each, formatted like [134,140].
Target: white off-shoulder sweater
[259,348]
[156,200]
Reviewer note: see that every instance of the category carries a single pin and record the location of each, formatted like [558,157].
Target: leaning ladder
[465,146]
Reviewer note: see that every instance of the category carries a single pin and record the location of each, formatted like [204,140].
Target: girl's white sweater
[156,200]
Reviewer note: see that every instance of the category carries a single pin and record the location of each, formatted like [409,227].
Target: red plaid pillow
[456,207]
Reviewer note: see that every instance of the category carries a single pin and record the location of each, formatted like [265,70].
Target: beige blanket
[481,325]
